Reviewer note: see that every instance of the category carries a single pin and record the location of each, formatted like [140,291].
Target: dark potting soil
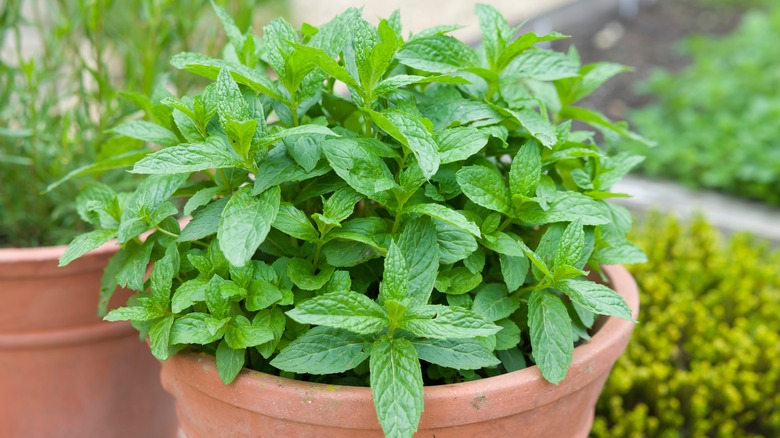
[646,42]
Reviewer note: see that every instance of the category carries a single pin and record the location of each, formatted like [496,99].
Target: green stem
[317,253]
[504,225]
[166,232]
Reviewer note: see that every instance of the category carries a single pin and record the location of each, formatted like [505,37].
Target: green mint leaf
[526,170]
[327,64]
[133,269]
[85,243]
[245,223]
[188,158]
[277,168]
[570,246]
[416,137]
[495,32]
[357,55]
[204,223]
[509,336]
[233,33]
[542,65]
[448,323]
[275,320]
[240,135]
[209,68]
[551,335]
[458,281]
[381,55]
[161,279]
[218,293]
[147,131]
[199,199]
[132,313]
[512,359]
[197,328]
[596,298]
[437,54]
[350,311]
[536,124]
[277,35]
[230,101]
[159,337]
[460,354]
[614,168]
[98,205]
[189,293]
[493,303]
[566,207]
[475,262]
[229,362]
[514,269]
[341,204]
[305,150]
[359,167]
[485,187]
[324,350]
[331,36]
[241,333]
[524,42]
[601,121]
[394,82]
[397,386]
[395,276]
[295,223]
[301,272]
[458,144]
[454,243]
[309,129]
[262,294]
[419,245]
[109,282]
[445,214]
[594,76]
[503,243]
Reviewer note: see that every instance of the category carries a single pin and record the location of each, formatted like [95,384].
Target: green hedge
[704,360]
[716,121]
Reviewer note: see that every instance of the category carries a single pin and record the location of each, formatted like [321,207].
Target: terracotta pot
[63,371]
[518,404]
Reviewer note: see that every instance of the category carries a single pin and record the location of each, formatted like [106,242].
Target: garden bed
[648,39]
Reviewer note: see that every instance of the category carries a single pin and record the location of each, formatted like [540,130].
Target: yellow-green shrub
[704,360]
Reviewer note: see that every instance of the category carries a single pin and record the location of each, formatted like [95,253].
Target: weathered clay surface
[63,371]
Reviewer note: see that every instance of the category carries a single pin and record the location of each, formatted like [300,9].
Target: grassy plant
[57,101]
[704,361]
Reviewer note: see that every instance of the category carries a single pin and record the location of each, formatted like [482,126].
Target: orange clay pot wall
[63,371]
[518,404]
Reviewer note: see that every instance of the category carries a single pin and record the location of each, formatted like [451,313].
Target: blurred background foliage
[703,360]
[69,71]
[716,120]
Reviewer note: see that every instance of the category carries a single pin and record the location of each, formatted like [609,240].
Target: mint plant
[431,223]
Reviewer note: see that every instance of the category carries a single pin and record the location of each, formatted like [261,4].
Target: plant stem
[166,232]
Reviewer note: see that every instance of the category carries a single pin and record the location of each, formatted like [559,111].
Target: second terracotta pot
[518,404]
[63,371]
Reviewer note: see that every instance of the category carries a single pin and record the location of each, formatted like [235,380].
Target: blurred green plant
[704,361]
[69,71]
[716,121]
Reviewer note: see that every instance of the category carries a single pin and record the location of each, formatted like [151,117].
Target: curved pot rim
[527,388]
[47,253]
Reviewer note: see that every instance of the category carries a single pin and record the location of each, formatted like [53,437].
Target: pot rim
[526,387]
